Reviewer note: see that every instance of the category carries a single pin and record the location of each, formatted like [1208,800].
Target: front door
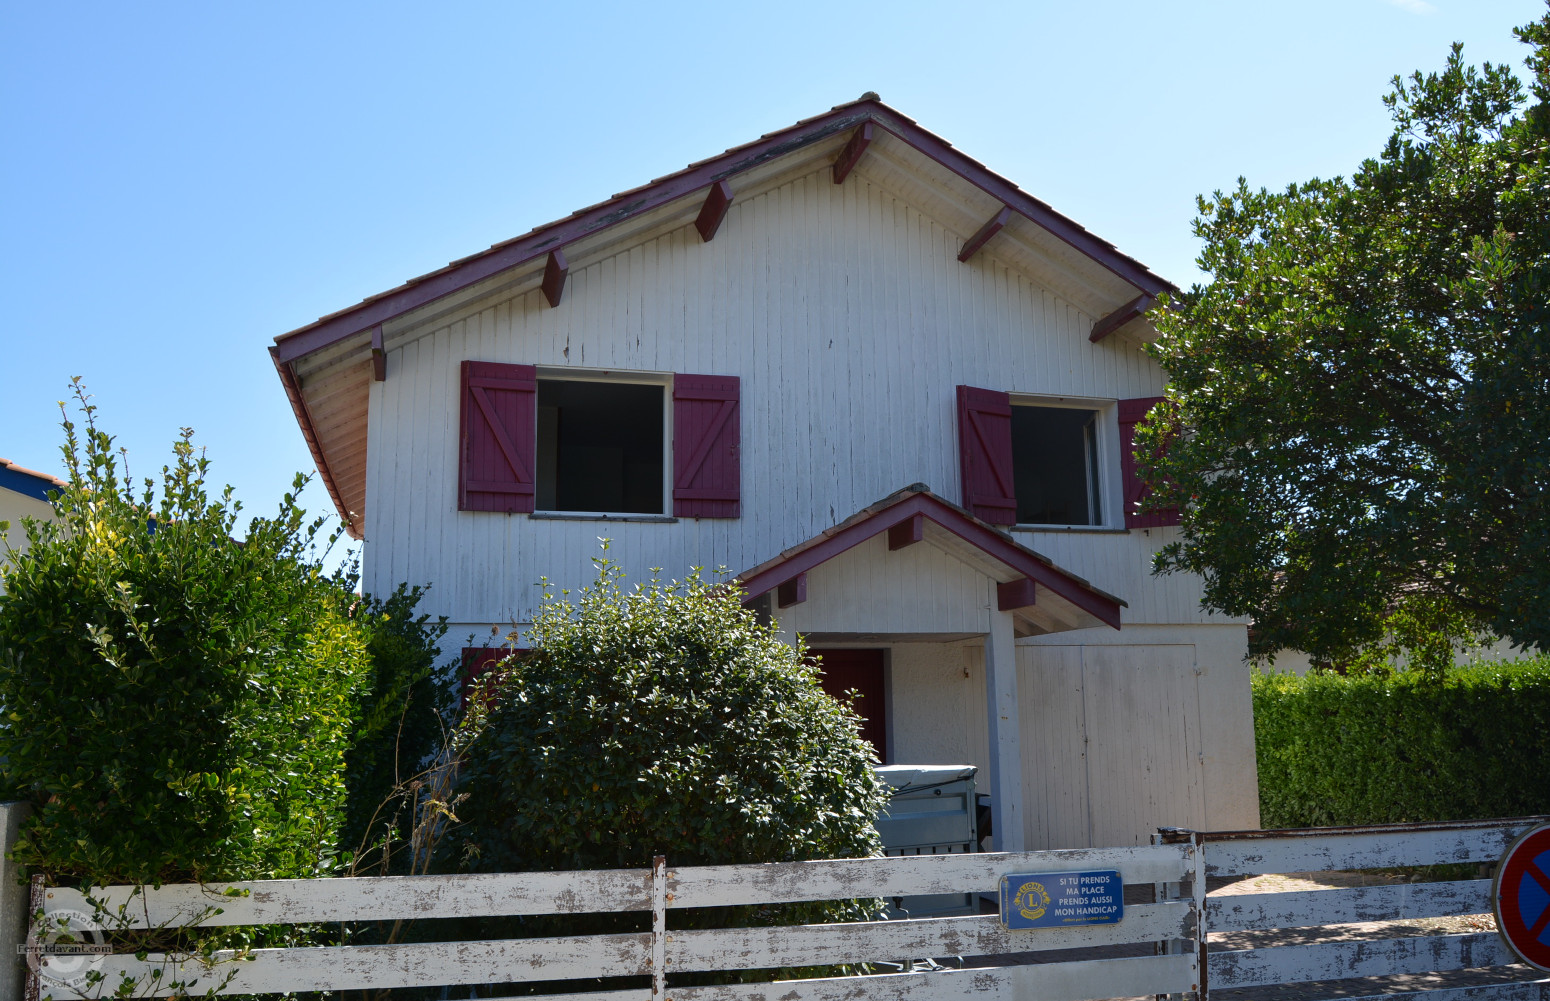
[861,671]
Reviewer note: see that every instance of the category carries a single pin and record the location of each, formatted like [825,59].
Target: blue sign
[1061,899]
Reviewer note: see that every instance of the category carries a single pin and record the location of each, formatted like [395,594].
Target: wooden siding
[1111,743]
[849,320]
[869,589]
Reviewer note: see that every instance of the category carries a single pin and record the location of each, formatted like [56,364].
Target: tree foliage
[178,704]
[1358,421]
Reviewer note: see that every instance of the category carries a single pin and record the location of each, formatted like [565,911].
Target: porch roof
[1050,598]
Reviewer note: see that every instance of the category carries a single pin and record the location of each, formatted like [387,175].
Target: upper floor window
[599,447]
[1055,471]
[1037,463]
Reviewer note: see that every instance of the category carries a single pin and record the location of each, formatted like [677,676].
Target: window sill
[653,519]
[1080,529]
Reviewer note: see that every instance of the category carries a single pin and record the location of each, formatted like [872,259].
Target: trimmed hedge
[1373,750]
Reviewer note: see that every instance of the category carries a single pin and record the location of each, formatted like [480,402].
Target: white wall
[850,322]
[937,699]
[1299,663]
[1120,735]
[13,508]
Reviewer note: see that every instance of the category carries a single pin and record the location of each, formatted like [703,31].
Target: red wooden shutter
[985,454]
[477,663]
[1135,489]
[499,437]
[707,437]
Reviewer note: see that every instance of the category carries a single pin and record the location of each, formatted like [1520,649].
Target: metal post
[15,916]
[34,985]
[659,928]
[1175,891]
[1202,964]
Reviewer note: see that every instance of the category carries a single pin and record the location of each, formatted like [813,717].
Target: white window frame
[662,379]
[1110,511]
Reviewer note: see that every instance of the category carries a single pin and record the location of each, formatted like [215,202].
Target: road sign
[1062,899]
[1521,897]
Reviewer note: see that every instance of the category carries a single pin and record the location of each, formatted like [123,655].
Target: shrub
[1407,747]
[405,714]
[664,720]
[178,703]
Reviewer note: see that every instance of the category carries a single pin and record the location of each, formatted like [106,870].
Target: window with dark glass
[600,447]
[1055,465]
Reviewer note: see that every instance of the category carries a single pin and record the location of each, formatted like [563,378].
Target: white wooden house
[889,389]
[23,494]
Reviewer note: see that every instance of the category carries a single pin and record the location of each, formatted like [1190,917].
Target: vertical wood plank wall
[850,322]
[1111,743]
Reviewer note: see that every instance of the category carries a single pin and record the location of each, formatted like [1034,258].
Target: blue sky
[183,182]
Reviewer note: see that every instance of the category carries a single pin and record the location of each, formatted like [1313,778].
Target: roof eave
[907,503]
[293,392]
[513,253]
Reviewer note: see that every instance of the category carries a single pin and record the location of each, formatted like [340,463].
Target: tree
[178,703]
[1358,418]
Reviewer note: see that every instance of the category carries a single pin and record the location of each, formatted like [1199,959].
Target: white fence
[661,952]
[1252,853]
[1164,937]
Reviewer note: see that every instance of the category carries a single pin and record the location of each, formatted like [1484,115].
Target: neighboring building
[759,363]
[23,494]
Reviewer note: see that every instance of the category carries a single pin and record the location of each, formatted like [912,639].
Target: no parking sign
[1521,896]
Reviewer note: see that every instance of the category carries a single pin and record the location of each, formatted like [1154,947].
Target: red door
[861,670]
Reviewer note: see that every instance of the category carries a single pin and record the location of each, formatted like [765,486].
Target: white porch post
[1006,756]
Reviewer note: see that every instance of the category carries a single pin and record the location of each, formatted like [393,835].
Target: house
[888,389]
[23,494]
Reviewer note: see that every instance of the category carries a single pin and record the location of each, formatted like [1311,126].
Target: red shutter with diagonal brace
[498,437]
[1136,489]
[478,662]
[707,437]
[985,454]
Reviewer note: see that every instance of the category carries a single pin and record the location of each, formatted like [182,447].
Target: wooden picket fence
[1168,945]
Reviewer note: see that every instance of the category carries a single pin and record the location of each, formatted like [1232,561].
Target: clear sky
[183,182]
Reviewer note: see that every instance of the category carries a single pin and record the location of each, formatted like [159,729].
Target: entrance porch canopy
[1042,597]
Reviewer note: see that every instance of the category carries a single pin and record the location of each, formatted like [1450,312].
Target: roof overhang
[21,480]
[842,121]
[1046,597]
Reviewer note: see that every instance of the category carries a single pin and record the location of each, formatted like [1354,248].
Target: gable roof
[20,479]
[1063,600]
[311,359]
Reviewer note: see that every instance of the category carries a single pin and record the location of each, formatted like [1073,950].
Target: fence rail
[659,952]
[1246,853]
[1171,926]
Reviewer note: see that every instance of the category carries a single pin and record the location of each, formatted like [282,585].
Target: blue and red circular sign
[1521,896]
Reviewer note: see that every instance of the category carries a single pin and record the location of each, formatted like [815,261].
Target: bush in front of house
[664,719]
[406,715]
[178,704]
[1406,747]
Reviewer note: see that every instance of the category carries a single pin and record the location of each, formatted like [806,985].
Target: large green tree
[1358,419]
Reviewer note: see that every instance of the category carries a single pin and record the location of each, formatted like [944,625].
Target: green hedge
[1373,750]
